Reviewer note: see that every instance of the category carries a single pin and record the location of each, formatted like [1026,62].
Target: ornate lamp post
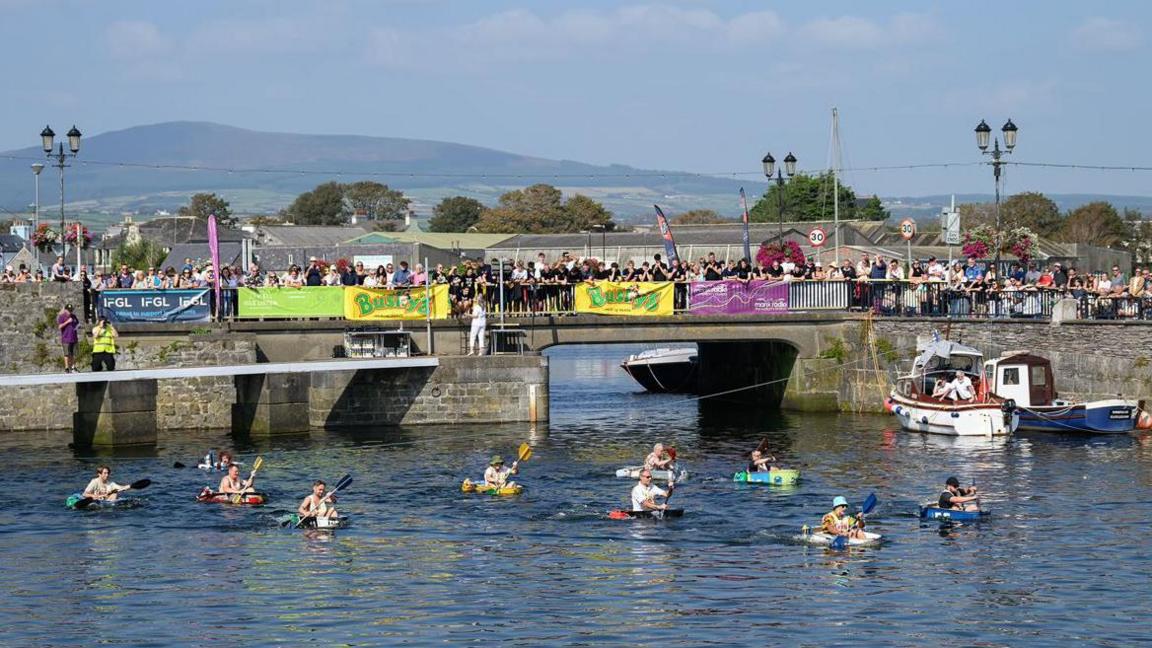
[983,132]
[769,163]
[60,161]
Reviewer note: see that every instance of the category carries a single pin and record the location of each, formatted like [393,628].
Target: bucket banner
[155,305]
[633,299]
[289,303]
[735,297]
[402,304]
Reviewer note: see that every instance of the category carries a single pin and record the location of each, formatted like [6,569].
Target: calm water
[1063,560]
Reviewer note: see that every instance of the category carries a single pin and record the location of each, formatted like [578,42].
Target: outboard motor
[1008,407]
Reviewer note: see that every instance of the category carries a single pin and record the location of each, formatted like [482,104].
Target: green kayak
[783,477]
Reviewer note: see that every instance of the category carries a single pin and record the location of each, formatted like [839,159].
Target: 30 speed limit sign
[907,228]
[817,237]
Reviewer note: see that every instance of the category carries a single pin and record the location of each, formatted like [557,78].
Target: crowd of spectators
[538,285]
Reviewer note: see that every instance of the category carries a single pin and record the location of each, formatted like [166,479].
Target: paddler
[837,522]
[100,488]
[231,483]
[761,462]
[496,475]
[316,504]
[958,499]
[644,494]
[658,459]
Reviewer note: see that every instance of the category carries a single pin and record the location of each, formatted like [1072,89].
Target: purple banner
[735,297]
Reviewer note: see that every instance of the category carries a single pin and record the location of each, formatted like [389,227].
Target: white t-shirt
[96,487]
[479,317]
[641,493]
[492,475]
[963,387]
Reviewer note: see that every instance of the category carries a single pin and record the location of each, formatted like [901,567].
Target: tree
[204,204]
[873,210]
[806,198]
[260,221]
[539,209]
[699,217]
[1030,209]
[1096,223]
[138,256]
[1140,232]
[455,214]
[376,200]
[324,205]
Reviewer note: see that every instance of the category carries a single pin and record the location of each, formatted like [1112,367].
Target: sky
[691,85]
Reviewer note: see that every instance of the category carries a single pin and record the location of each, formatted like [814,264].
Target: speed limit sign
[817,237]
[907,228]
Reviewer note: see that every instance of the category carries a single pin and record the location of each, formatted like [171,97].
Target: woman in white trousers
[477,336]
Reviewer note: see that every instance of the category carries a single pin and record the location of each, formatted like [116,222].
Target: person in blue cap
[837,522]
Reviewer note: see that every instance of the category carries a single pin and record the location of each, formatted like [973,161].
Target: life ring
[1144,421]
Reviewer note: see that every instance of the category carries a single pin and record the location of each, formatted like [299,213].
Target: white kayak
[823,539]
[633,472]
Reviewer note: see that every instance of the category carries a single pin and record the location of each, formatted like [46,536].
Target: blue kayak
[77,501]
[937,513]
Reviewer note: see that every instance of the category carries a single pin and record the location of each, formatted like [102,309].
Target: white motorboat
[664,370]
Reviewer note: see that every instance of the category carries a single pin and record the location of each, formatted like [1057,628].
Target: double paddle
[343,483]
[840,542]
[136,485]
[236,498]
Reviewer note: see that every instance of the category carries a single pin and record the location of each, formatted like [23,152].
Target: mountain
[145,168]
[927,208]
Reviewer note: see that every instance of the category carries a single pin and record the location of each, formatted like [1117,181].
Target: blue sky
[688,85]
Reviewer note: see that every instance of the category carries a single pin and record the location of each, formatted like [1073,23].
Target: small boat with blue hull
[952,515]
[1028,380]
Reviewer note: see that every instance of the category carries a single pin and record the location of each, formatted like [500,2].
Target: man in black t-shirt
[958,499]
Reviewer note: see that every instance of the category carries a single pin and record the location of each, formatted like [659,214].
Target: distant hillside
[927,208]
[441,168]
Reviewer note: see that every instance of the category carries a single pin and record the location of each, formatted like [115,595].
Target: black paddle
[342,483]
[178,465]
[136,485]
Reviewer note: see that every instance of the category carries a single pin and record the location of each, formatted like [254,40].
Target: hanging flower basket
[981,242]
[70,237]
[44,238]
[770,252]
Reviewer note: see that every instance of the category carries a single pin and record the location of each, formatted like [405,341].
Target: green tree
[1096,223]
[259,221]
[806,198]
[873,210]
[699,217]
[1030,209]
[139,255]
[204,204]
[324,205]
[1140,235]
[455,214]
[540,209]
[376,200]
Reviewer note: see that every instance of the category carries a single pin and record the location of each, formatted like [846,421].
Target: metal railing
[880,298]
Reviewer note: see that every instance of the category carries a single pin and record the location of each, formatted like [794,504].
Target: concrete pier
[114,414]
[275,403]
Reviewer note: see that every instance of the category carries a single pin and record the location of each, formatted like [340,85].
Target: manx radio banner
[636,298]
[380,304]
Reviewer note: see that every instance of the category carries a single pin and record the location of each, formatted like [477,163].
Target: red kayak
[251,499]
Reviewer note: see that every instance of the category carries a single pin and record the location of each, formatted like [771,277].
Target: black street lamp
[59,160]
[769,163]
[983,133]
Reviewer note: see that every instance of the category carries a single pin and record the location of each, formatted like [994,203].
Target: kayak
[937,513]
[633,472]
[470,486]
[823,539]
[782,477]
[121,502]
[645,515]
[250,499]
[217,467]
[322,523]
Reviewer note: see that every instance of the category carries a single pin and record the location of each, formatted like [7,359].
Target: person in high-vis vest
[103,346]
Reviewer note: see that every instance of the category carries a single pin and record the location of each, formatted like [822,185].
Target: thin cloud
[134,40]
[1107,35]
[854,32]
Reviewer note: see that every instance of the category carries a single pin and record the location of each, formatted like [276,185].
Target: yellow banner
[406,303]
[637,298]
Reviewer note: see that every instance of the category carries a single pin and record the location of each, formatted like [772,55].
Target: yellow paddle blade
[525,452]
[256,464]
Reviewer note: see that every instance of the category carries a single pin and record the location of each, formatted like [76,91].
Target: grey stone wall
[461,390]
[29,339]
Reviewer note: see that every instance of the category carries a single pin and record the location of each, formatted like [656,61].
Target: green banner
[310,301]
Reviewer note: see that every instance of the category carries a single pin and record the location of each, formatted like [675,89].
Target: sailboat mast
[836,185]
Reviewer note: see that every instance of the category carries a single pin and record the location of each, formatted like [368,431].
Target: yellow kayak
[479,487]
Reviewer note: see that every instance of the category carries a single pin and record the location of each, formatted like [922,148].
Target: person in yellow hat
[496,475]
[838,522]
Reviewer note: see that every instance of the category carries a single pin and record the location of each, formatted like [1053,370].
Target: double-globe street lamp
[983,133]
[60,160]
[769,163]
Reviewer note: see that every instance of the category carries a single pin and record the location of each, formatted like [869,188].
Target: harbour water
[1063,560]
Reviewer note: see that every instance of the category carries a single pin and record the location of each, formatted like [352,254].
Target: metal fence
[881,298]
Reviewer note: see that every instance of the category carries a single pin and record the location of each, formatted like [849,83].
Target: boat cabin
[1022,377]
[940,359]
